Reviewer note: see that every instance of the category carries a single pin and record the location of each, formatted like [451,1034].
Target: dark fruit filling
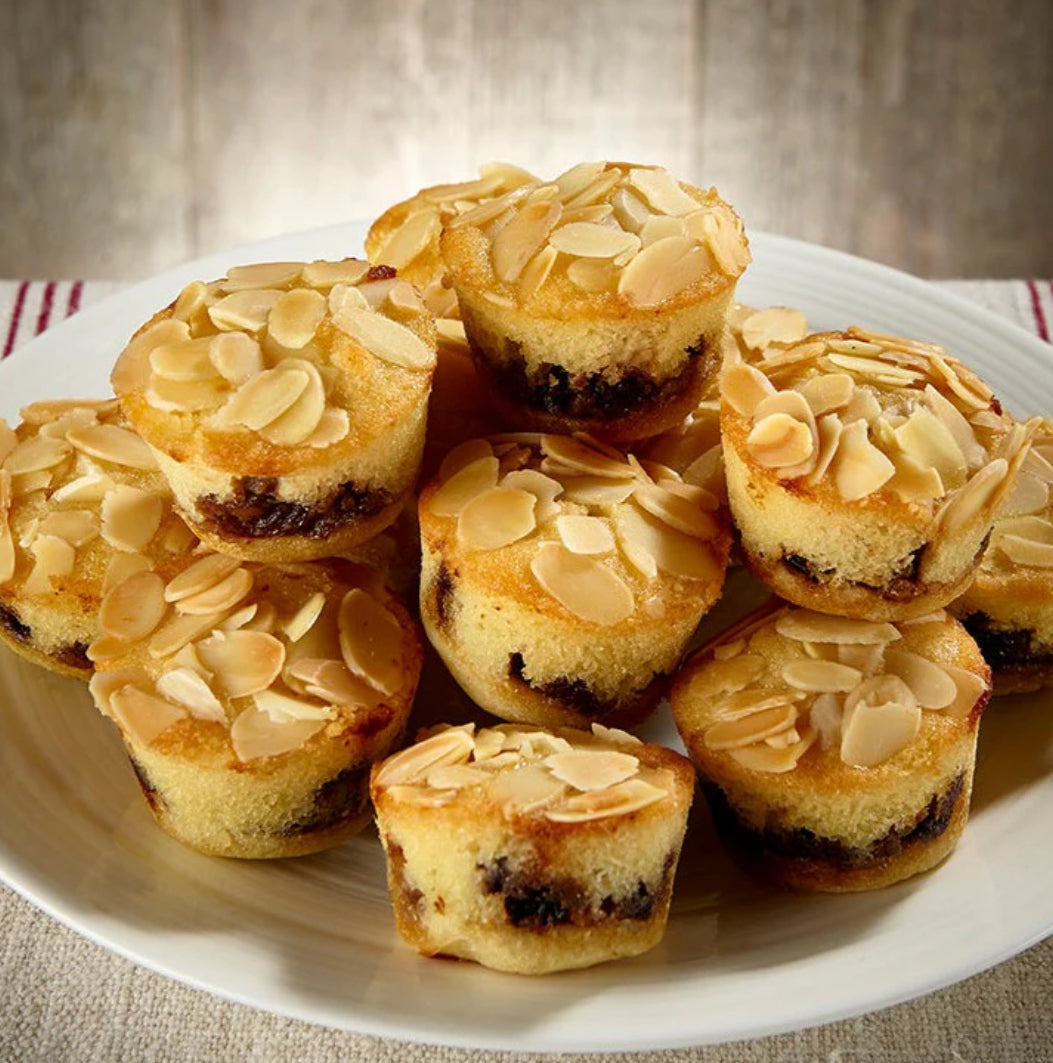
[1004,647]
[572,692]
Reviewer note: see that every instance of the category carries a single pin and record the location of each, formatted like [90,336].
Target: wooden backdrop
[138,133]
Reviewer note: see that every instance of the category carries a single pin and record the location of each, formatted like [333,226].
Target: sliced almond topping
[592,769]
[255,734]
[333,426]
[631,212]
[914,482]
[970,689]
[1030,494]
[828,391]
[299,421]
[929,682]
[968,503]
[218,598]
[747,729]
[925,437]
[774,760]
[186,360]
[322,274]
[660,227]
[295,317]
[662,270]
[1029,552]
[536,272]
[385,339]
[239,618]
[176,396]
[725,242]
[662,191]
[132,369]
[331,681]
[464,485]
[780,440]
[282,707]
[824,677]
[517,243]
[729,675]
[859,468]
[496,518]
[455,777]
[176,633]
[76,526]
[526,789]
[676,511]
[130,518]
[592,275]
[36,454]
[544,488]
[200,576]
[304,618]
[452,746]
[726,650]
[595,191]
[744,388]
[143,717]
[825,716]
[344,298]
[53,557]
[578,178]
[776,324]
[577,455]
[596,490]
[242,662]
[185,687]
[867,659]
[620,800]
[881,718]
[591,240]
[650,544]
[246,310]
[91,487]
[261,275]
[191,299]
[133,608]
[585,535]
[263,398]
[120,567]
[416,233]
[110,443]
[804,625]
[371,641]
[586,588]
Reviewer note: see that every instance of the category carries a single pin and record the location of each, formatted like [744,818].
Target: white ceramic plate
[313,938]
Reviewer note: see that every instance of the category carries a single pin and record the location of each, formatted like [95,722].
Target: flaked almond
[662,191]
[592,769]
[371,641]
[590,240]
[132,370]
[91,487]
[263,398]
[473,479]
[780,440]
[595,490]
[621,800]
[261,275]
[246,310]
[805,625]
[186,687]
[333,426]
[585,535]
[305,617]
[142,716]
[385,339]
[592,275]
[331,681]
[1030,494]
[192,300]
[1034,550]
[662,270]
[130,518]
[970,688]
[824,716]
[52,557]
[76,526]
[452,746]
[750,728]
[630,210]
[827,391]
[536,272]
[133,608]
[282,707]
[462,455]
[296,425]
[867,659]
[824,677]
[455,777]
[881,719]
[773,760]
[344,298]
[775,324]
[419,230]
[176,633]
[35,454]
[970,502]
[544,488]
[200,576]
[178,396]
[676,511]
[744,388]
[586,588]
[256,734]
[577,455]
[218,598]
[650,544]
[725,241]
[517,243]
[729,675]
[120,567]
[242,662]
[322,274]
[295,317]
[526,789]
[859,468]
[913,481]
[927,439]
[929,682]
[184,361]
[660,227]
[496,518]
[119,446]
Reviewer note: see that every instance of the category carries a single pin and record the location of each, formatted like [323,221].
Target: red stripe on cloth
[73,303]
[45,307]
[16,318]
[1036,308]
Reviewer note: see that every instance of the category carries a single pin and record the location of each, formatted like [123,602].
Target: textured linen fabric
[64,999]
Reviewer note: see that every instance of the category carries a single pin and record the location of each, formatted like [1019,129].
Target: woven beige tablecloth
[63,998]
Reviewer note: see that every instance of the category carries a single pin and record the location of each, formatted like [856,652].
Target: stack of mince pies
[531,433]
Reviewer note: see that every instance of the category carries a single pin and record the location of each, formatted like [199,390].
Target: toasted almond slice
[256,734]
[462,455]
[662,270]
[130,518]
[246,310]
[185,687]
[304,618]
[76,526]
[595,191]
[143,717]
[35,454]
[175,396]
[804,625]
[331,681]
[863,407]
[828,430]
[867,659]
[1030,494]
[261,275]
[452,746]
[747,729]
[927,439]
[544,488]
[825,716]
[185,360]
[648,542]
[192,299]
[630,211]
[592,275]
[536,272]
[729,675]
[174,635]
[590,240]
[914,482]
[200,576]
[859,468]
[120,567]
[242,662]
[418,231]
[344,298]
[496,518]
[660,227]
[52,557]
[585,535]
[371,641]
[744,388]
[385,339]
[824,677]
[133,608]
[780,440]
[263,398]
[333,426]
[322,274]
[455,777]
[872,733]
[586,588]
[726,650]
[132,370]
[119,446]
[725,241]
[579,456]
[953,420]
[282,707]
[464,485]
[828,391]
[970,689]
[578,178]
[1028,552]
[299,421]
[596,490]
[295,317]
[592,769]
[775,324]
[773,760]
[676,511]
[526,789]
[929,682]
[239,618]
[662,191]
[517,243]
[91,487]
[218,598]
[970,502]
[621,800]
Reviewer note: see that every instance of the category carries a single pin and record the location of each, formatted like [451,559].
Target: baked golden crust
[864,471]
[558,596]
[599,298]
[81,502]
[837,754]
[532,851]
[286,404]
[252,699]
